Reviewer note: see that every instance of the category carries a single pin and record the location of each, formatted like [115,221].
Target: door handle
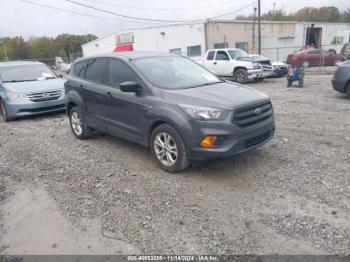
[215,63]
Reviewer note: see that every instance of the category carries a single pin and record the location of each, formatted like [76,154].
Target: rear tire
[4,113]
[78,123]
[241,76]
[348,90]
[168,149]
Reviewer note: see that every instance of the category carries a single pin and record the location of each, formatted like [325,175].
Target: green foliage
[43,47]
[308,14]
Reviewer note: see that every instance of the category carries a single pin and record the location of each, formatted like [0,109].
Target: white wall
[100,46]
[151,39]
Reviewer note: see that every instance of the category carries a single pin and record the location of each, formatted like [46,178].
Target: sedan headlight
[205,113]
[17,96]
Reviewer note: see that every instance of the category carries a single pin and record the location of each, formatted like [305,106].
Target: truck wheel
[241,76]
[169,149]
[4,113]
[78,123]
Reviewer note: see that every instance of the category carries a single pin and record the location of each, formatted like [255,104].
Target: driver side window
[119,72]
[222,55]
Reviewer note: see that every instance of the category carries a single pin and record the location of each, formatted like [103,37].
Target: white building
[278,38]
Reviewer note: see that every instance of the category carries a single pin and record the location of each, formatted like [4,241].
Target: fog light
[208,141]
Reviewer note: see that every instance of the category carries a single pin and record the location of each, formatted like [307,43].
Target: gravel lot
[291,196]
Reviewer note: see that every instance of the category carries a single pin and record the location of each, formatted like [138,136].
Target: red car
[315,57]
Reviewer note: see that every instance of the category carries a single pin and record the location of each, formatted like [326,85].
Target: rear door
[126,111]
[95,92]
[223,63]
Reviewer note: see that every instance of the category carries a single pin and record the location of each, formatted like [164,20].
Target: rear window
[95,70]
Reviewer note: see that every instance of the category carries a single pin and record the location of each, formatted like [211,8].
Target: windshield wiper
[15,81]
[207,84]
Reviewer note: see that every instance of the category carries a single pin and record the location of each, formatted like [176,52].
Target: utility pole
[3,45]
[259,26]
[254,22]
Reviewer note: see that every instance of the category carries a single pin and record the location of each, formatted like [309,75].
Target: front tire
[78,123]
[4,113]
[348,90]
[241,76]
[168,149]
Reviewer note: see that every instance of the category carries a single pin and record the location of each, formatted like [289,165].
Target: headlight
[256,66]
[205,113]
[16,96]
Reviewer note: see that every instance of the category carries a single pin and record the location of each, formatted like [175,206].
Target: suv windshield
[236,53]
[174,72]
[26,73]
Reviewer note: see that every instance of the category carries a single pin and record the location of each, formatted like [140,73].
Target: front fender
[178,120]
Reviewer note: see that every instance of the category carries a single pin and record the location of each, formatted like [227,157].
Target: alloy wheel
[76,123]
[165,148]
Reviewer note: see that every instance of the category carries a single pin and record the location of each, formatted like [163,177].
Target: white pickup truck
[231,62]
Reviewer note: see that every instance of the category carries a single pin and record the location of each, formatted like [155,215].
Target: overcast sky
[20,18]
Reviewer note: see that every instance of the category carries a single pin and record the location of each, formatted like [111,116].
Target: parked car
[232,62]
[345,51]
[169,103]
[279,69]
[29,88]
[314,57]
[341,79]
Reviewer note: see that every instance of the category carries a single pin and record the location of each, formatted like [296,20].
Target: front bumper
[237,140]
[255,73]
[21,108]
[338,85]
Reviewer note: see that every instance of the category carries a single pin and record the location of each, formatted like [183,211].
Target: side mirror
[130,86]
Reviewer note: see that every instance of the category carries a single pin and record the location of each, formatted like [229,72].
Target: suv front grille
[252,115]
[45,96]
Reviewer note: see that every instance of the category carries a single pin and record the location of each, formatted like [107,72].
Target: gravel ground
[292,196]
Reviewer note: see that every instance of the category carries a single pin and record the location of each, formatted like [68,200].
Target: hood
[254,58]
[35,86]
[226,95]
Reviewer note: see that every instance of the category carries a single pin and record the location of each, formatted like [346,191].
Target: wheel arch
[73,98]
[178,122]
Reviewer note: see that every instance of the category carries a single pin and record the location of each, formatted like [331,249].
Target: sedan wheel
[165,149]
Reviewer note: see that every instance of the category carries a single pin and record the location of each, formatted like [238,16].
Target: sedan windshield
[26,73]
[174,72]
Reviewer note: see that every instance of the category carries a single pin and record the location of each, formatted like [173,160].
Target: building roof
[129,55]
[19,63]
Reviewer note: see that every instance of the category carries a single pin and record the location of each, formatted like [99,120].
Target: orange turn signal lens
[208,141]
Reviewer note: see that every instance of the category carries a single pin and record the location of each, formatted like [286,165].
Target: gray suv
[172,105]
